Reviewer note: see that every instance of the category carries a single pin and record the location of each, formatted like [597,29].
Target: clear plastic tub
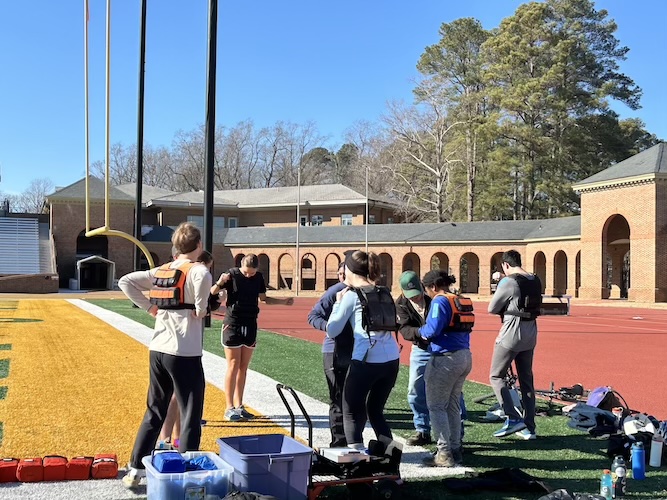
[204,484]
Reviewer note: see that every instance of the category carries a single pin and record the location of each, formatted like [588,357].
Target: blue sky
[330,62]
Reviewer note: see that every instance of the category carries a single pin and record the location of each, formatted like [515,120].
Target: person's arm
[134,285]
[201,282]
[220,283]
[319,314]
[340,314]
[501,298]
[436,322]
[408,331]
[287,301]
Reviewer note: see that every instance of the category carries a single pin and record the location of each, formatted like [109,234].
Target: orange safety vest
[168,291]
[463,318]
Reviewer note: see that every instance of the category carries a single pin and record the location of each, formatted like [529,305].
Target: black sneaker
[419,439]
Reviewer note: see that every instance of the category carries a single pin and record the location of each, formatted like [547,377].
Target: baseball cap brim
[415,292]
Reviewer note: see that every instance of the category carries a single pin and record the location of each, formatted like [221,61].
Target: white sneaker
[133,477]
[232,415]
[527,435]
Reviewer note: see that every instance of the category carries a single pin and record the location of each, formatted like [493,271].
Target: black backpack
[530,300]
[378,308]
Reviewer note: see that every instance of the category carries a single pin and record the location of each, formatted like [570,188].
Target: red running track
[596,345]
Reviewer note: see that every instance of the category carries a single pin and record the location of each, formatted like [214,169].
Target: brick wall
[32,283]
[325,262]
[638,205]
[660,263]
[560,257]
[279,217]
[68,220]
[602,235]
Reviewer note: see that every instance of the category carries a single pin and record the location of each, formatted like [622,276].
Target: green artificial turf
[561,457]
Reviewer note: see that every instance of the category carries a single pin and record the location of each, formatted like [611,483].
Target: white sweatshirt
[177,332]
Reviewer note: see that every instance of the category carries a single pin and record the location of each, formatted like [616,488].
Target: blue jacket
[436,330]
[319,315]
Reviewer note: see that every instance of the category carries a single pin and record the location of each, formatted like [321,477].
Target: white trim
[612,183]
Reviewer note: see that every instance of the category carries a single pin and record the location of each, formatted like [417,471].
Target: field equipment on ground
[554,397]
[375,476]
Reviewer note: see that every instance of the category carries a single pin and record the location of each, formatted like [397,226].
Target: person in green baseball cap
[411,309]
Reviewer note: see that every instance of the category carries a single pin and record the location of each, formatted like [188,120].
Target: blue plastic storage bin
[208,484]
[271,464]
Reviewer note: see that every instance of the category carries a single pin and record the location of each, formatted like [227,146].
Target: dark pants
[367,388]
[183,376]
[335,381]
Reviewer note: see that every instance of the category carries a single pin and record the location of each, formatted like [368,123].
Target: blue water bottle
[638,461]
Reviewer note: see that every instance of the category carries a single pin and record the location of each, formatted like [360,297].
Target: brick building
[620,234]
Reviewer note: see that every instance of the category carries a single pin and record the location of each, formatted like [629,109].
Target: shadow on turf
[399,419]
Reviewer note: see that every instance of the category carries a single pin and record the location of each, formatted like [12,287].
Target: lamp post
[297,262]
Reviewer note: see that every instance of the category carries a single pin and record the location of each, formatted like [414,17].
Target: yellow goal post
[106,229]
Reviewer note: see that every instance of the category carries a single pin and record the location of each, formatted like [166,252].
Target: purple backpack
[605,398]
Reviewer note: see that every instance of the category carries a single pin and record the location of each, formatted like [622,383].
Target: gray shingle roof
[159,234]
[288,195]
[191,198]
[649,161]
[96,189]
[241,198]
[446,232]
[147,192]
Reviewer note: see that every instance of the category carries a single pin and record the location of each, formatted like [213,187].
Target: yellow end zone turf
[77,386]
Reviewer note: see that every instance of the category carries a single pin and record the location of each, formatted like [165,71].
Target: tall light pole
[298,224]
[211,67]
[209,151]
[140,135]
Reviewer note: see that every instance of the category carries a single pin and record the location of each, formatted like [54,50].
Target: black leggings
[336,381]
[367,388]
[169,374]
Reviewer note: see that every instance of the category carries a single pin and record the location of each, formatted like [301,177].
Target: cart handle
[281,388]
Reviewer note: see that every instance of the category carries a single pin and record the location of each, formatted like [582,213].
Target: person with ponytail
[446,370]
[374,367]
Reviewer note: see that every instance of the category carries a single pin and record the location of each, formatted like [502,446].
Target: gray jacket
[515,335]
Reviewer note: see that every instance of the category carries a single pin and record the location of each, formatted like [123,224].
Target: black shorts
[239,336]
